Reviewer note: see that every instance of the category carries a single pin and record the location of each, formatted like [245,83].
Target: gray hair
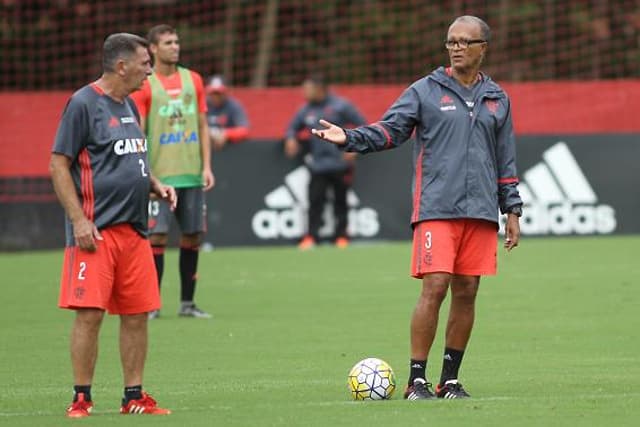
[485,30]
[120,46]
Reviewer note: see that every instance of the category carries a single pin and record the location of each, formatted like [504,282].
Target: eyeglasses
[462,43]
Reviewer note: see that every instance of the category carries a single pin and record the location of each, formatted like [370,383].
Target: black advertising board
[571,185]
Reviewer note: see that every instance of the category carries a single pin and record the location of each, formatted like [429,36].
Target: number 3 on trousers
[427,240]
[83,268]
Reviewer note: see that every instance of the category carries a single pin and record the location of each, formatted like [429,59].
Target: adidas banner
[579,184]
[261,197]
[571,185]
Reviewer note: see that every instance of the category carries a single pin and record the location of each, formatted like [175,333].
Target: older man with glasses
[465,173]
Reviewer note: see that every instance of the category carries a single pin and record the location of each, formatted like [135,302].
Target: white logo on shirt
[130,146]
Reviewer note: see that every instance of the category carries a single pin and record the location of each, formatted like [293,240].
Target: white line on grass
[328,404]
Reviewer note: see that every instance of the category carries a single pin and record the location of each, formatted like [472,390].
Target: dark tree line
[55,44]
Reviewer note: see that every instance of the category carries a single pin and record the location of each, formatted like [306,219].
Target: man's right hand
[86,233]
[331,133]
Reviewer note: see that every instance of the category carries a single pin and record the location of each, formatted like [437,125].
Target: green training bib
[174,138]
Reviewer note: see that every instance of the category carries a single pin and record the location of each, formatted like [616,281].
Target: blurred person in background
[172,105]
[330,167]
[465,173]
[226,117]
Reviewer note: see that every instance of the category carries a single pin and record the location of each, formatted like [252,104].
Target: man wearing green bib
[172,106]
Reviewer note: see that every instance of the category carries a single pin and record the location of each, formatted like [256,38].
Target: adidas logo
[135,409]
[558,198]
[114,122]
[285,215]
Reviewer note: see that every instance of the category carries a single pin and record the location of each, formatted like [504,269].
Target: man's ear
[153,48]
[484,51]
[121,67]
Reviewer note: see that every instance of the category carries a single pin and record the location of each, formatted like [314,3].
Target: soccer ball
[371,379]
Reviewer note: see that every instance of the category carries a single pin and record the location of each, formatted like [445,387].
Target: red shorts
[120,276]
[457,246]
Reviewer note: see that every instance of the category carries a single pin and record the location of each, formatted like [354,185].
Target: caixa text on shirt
[178,137]
[130,146]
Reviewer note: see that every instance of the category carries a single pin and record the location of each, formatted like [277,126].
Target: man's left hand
[208,180]
[166,192]
[512,232]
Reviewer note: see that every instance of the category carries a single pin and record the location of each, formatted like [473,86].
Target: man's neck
[112,87]
[165,69]
[466,78]
[320,100]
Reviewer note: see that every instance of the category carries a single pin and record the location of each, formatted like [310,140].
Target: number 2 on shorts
[83,268]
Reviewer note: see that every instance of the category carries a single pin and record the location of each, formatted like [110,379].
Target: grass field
[556,340]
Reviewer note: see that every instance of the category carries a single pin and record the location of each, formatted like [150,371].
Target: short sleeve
[73,130]
[199,86]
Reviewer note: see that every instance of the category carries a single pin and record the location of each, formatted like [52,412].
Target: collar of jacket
[490,89]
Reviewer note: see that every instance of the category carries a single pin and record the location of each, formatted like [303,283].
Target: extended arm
[393,130]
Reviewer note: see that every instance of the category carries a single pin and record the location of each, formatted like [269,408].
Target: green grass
[555,343]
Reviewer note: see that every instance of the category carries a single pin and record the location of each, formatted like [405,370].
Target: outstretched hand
[332,133]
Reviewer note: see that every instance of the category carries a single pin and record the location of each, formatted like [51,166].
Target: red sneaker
[145,405]
[342,242]
[307,243]
[80,408]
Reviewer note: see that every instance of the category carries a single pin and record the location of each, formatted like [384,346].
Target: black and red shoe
[145,405]
[451,389]
[419,390]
